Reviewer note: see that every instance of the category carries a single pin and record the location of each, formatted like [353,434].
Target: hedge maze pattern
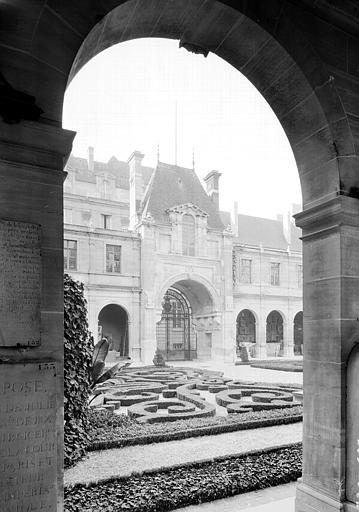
[159,395]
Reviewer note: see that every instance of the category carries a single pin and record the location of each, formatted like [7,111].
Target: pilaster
[261,345]
[331,328]
[32,159]
[288,337]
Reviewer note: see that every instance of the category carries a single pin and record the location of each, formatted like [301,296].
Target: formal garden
[107,408]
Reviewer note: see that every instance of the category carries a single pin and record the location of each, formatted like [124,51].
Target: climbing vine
[78,348]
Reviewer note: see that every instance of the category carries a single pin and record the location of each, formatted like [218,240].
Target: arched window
[274,327]
[246,327]
[188,235]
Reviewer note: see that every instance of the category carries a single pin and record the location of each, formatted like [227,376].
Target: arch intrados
[115,305]
[280,313]
[254,51]
[196,280]
[298,316]
[253,313]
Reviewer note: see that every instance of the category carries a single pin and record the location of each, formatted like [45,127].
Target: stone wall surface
[31,169]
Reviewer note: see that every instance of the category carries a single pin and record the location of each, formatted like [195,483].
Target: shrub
[78,348]
[188,484]
[98,371]
[285,366]
[158,359]
[108,430]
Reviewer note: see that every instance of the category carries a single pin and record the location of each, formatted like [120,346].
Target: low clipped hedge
[109,430]
[188,484]
[284,366]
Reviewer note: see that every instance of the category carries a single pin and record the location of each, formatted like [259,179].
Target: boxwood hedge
[165,490]
[109,430]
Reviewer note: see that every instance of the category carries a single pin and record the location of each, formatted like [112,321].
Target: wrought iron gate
[176,338]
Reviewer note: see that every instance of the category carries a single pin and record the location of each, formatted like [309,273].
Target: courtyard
[302,57]
[207,432]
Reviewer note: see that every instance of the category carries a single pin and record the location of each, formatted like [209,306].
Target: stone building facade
[165,269]
[303,58]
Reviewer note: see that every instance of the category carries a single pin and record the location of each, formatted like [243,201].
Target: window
[245,271]
[299,276]
[188,235]
[274,274]
[106,221]
[113,258]
[70,254]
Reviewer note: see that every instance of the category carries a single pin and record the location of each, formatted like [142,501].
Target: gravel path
[272,499]
[124,461]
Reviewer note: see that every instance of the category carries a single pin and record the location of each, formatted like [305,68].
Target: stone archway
[246,330]
[190,326]
[176,338]
[303,59]
[274,334]
[113,323]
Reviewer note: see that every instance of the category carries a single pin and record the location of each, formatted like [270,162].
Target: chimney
[212,184]
[90,158]
[136,185]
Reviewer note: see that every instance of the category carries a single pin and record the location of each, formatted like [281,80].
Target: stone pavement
[124,461]
[273,499]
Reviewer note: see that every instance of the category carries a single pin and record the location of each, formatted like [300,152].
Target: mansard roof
[173,186]
[115,168]
[266,232]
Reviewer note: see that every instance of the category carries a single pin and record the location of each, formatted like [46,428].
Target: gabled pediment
[187,208]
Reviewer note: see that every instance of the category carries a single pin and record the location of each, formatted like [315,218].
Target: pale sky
[124,99]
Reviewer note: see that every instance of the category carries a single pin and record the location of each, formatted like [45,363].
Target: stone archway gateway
[176,338]
[190,327]
[303,58]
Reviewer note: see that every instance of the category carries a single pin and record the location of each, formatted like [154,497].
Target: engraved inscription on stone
[28,437]
[20,283]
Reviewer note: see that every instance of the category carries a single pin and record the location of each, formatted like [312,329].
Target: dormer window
[188,235]
[189,229]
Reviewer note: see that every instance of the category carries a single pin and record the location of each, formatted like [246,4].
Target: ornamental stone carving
[187,208]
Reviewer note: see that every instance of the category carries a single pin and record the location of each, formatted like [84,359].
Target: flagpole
[176,132]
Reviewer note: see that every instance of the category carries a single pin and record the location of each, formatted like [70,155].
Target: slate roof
[171,186]
[168,185]
[114,167]
[266,232]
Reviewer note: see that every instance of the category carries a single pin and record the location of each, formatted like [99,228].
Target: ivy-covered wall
[78,349]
